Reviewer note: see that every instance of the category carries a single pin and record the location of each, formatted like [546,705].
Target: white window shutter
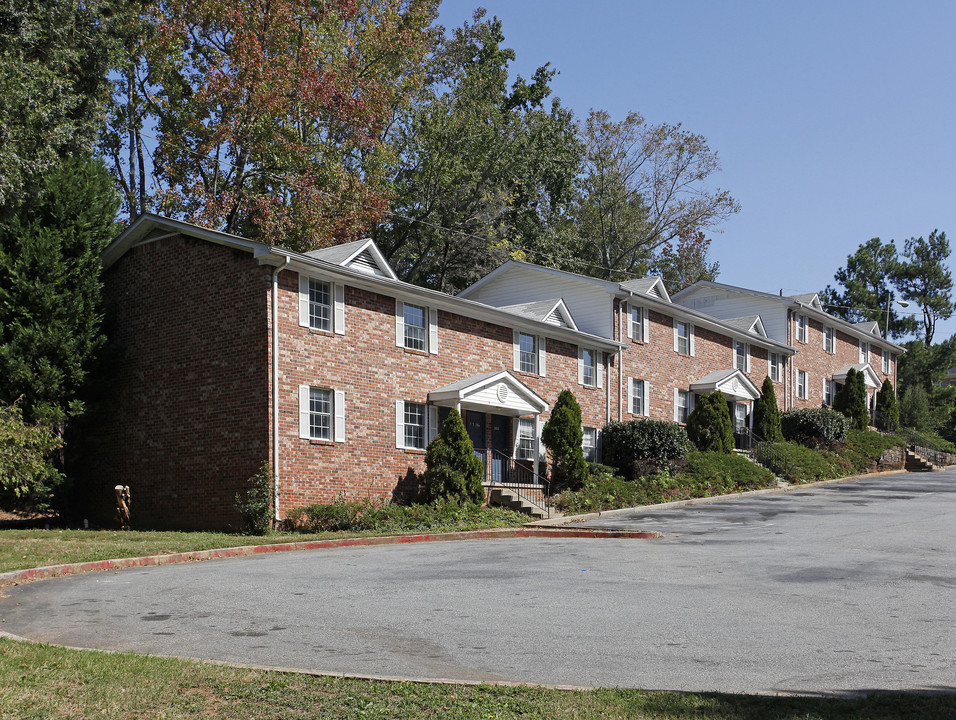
[645,314]
[630,395]
[646,410]
[539,445]
[691,402]
[515,424]
[432,423]
[303,300]
[399,324]
[690,331]
[599,368]
[580,365]
[399,423]
[676,418]
[433,331]
[338,294]
[627,314]
[598,445]
[516,341]
[676,346]
[339,416]
[305,397]
[542,357]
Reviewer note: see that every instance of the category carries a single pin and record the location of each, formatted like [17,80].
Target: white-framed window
[683,404]
[683,337]
[590,367]
[414,421]
[637,323]
[801,328]
[524,447]
[864,351]
[887,362]
[774,366]
[801,384]
[827,392]
[530,353]
[321,304]
[589,443]
[416,327]
[741,356]
[321,413]
[829,339]
[638,397]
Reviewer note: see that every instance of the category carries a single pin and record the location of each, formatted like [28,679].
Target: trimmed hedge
[634,440]
[813,425]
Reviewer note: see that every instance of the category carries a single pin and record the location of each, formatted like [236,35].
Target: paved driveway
[843,588]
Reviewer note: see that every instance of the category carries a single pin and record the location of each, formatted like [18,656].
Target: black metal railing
[763,453]
[927,448]
[521,478]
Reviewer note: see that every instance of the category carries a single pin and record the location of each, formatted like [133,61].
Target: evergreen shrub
[255,504]
[562,435]
[709,426]
[635,440]
[452,470]
[767,414]
[813,425]
[886,406]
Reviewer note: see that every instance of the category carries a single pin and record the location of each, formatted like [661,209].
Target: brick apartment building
[232,353]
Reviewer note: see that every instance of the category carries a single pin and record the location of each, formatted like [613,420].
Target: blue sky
[835,121]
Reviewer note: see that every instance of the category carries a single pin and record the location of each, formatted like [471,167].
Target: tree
[54,57]
[453,471]
[562,435]
[685,263]
[851,400]
[914,409]
[767,414]
[709,426]
[27,479]
[269,116]
[483,167]
[50,304]
[886,406]
[923,278]
[641,186]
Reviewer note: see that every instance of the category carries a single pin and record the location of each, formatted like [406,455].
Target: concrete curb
[14,577]
[570,519]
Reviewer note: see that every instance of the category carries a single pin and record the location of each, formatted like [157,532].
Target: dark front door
[475,425]
[501,448]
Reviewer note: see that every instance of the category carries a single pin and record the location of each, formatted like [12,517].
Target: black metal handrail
[923,446]
[521,478]
[763,453]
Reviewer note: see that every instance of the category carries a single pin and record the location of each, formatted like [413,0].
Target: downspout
[275,381]
[620,365]
[787,379]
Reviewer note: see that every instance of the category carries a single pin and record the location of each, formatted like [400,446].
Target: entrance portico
[736,388]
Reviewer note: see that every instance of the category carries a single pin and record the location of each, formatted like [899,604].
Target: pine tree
[887,406]
[562,435]
[709,426]
[851,400]
[453,471]
[50,289]
[767,414]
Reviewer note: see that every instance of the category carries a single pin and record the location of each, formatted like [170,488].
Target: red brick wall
[374,373]
[186,416]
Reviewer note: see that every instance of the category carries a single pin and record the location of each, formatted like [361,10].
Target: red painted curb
[51,571]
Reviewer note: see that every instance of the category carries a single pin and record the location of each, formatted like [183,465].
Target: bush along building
[337,374]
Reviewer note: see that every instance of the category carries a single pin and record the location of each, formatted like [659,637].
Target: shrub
[562,435]
[767,414]
[804,464]
[633,440]
[709,426]
[914,408]
[255,505]
[453,471]
[812,425]
[887,407]
[28,478]
[864,448]
[851,400]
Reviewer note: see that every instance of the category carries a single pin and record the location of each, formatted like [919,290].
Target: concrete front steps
[514,499]
[916,463]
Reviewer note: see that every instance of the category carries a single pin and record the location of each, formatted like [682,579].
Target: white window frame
[597,379]
[589,443]
[887,362]
[540,353]
[428,425]
[336,413]
[746,356]
[828,392]
[774,366]
[336,292]
[829,339]
[864,351]
[644,406]
[688,405]
[688,339]
[430,317]
[638,326]
[802,323]
[525,437]
[801,388]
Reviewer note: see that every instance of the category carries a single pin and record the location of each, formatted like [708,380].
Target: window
[321,413]
[414,425]
[741,356]
[683,405]
[864,352]
[683,337]
[589,443]
[774,362]
[637,324]
[829,339]
[887,362]
[590,367]
[525,445]
[321,305]
[801,385]
[416,327]
[827,392]
[528,353]
[802,328]
[638,396]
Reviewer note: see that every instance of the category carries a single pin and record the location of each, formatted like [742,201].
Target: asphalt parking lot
[842,589]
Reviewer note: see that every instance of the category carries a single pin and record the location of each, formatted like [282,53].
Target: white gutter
[275,381]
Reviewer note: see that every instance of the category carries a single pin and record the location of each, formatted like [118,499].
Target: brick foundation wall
[185,419]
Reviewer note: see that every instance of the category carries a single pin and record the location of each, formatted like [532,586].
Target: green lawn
[38,681]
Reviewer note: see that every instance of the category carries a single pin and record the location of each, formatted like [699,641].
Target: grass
[40,682]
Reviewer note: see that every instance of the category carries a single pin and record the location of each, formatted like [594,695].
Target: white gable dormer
[361,255]
[652,287]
